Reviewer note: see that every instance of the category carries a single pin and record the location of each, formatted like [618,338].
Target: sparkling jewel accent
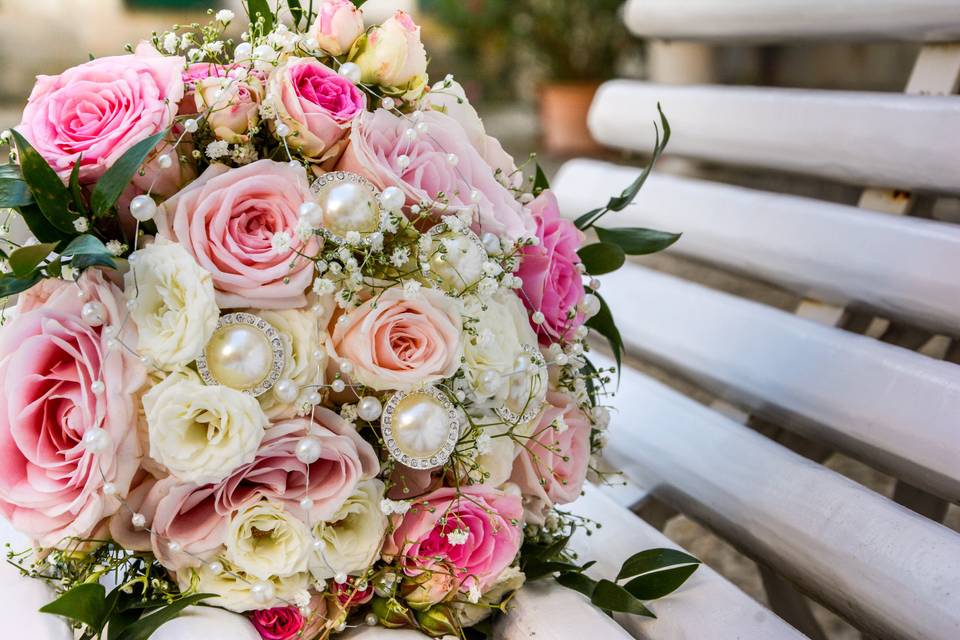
[348,202]
[460,265]
[533,370]
[244,353]
[420,428]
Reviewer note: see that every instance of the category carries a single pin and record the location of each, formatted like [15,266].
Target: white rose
[494,461]
[305,360]
[264,540]
[353,537]
[232,587]
[470,614]
[201,433]
[176,310]
[393,56]
[490,356]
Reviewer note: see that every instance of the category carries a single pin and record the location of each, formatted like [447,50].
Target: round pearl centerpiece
[455,258]
[348,203]
[244,353]
[420,428]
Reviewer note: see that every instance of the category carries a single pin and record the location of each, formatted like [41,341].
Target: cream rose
[232,587]
[495,452]
[392,56]
[400,343]
[470,614]
[338,25]
[351,539]
[305,360]
[202,433]
[233,106]
[264,540]
[176,308]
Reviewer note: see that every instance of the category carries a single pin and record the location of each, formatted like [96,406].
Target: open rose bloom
[298,335]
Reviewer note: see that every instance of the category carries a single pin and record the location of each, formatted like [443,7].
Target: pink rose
[349,594]
[317,104]
[398,343]
[227,218]
[279,623]
[552,283]
[187,514]
[101,109]
[552,465]
[377,142]
[483,522]
[337,26]
[50,484]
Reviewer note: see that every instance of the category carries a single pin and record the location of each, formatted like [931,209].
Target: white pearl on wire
[262,592]
[453,159]
[388,103]
[283,130]
[174,546]
[369,408]
[538,317]
[403,161]
[590,305]
[95,440]
[98,387]
[351,71]
[143,208]
[371,619]
[346,367]
[94,313]
[423,128]
[410,134]
[215,567]
[315,398]
[109,489]
[286,390]
[243,52]
[306,504]
[190,125]
[138,520]
[338,385]
[340,578]
[475,196]
[309,450]
[165,161]
[393,198]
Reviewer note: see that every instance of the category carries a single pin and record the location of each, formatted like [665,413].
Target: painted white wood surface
[547,611]
[780,20]
[899,267]
[706,606]
[869,139]
[891,572]
[887,405]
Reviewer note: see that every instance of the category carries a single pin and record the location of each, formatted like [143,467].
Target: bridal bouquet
[297,339]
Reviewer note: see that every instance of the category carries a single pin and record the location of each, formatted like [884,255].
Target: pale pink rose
[160,181]
[490,518]
[279,623]
[317,104]
[377,141]
[399,343]
[121,526]
[226,220]
[277,474]
[232,106]
[393,56]
[337,26]
[50,485]
[101,109]
[552,283]
[186,514]
[552,465]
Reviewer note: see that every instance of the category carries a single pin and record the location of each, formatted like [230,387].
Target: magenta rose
[472,533]
[378,141]
[552,282]
[552,465]
[279,623]
[101,109]
[317,105]
[227,219]
[51,485]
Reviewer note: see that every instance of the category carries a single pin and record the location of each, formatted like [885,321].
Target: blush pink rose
[377,142]
[279,623]
[337,26]
[317,104]
[226,220]
[50,485]
[101,109]
[187,514]
[552,282]
[232,106]
[490,518]
[398,343]
[552,465]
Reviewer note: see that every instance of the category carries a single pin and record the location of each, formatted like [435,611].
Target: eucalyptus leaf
[144,627]
[117,178]
[602,257]
[84,603]
[610,596]
[25,260]
[47,188]
[637,241]
[653,560]
[604,324]
[11,285]
[657,584]
[261,7]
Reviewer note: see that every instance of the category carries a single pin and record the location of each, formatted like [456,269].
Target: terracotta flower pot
[563,118]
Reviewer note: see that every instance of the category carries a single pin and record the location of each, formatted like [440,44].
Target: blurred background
[531,67]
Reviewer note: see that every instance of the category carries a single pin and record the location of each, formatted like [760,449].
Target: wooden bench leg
[790,604]
[920,501]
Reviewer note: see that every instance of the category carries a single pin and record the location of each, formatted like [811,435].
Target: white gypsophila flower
[469,614]
[171,42]
[353,238]
[264,540]
[303,230]
[323,286]
[484,443]
[474,594]
[375,242]
[487,287]
[389,222]
[457,537]
[215,46]
[302,598]
[218,149]
[560,424]
[281,241]
[350,542]
[201,433]
[232,587]
[186,41]
[244,154]
[411,288]
[116,248]
[390,507]
[304,363]
[425,243]
[400,257]
[81,224]
[224,15]
[175,307]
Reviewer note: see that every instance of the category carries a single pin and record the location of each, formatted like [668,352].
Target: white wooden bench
[889,570]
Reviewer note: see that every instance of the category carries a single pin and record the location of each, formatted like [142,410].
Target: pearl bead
[98,387]
[491,243]
[403,161]
[369,408]
[521,364]
[286,390]
[174,546]
[215,567]
[138,520]
[475,196]
[306,504]
[346,367]
[264,53]
[423,128]
[93,313]
[315,398]
[349,206]
[371,619]
[262,592]
[490,383]
[243,52]
[393,198]
[312,214]
[340,578]
[410,134]
[351,71]
[96,440]
[594,284]
[388,103]
[319,545]
[143,208]
[190,125]
[109,489]
[590,305]
[309,450]
[239,356]
[305,611]
[453,159]
[338,385]
[538,317]
[416,116]
[283,130]
[561,359]
[165,161]
[295,165]
[131,304]
[420,425]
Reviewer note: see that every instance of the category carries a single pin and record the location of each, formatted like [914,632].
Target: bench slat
[707,606]
[780,20]
[901,268]
[891,572]
[545,610]
[870,139]
[886,405]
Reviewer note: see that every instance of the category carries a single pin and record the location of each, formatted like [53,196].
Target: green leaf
[540,182]
[84,261]
[47,189]
[610,596]
[604,324]
[85,244]
[144,627]
[651,586]
[14,192]
[118,177]
[578,582]
[261,7]
[636,241]
[85,603]
[536,570]
[25,260]
[296,11]
[653,560]
[602,257]
[78,203]
[11,285]
[39,226]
